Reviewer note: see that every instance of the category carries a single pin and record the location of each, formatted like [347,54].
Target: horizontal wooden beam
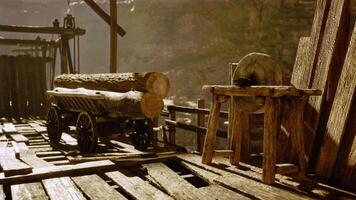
[104,16]
[27,42]
[265,91]
[44,30]
[184,109]
[195,129]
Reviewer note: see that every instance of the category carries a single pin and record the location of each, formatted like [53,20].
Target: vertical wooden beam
[339,115]
[172,131]
[63,51]
[113,36]
[236,133]
[210,136]
[200,123]
[271,127]
[232,68]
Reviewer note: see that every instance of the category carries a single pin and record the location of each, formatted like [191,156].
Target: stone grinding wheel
[256,69]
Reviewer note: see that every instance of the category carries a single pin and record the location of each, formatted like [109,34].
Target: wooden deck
[34,169]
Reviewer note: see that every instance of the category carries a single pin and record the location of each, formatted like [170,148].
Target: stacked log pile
[126,94]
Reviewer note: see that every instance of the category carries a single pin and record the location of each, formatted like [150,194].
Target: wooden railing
[198,128]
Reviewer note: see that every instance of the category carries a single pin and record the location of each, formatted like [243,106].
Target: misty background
[192,41]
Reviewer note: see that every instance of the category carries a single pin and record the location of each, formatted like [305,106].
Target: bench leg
[239,131]
[271,125]
[210,136]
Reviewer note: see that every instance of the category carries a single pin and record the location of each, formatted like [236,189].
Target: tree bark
[132,104]
[152,82]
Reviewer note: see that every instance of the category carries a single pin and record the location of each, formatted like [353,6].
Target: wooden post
[64,61]
[236,134]
[232,68]
[155,137]
[172,131]
[200,123]
[270,140]
[238,138]
[113,36]
[299,138]
[210,136]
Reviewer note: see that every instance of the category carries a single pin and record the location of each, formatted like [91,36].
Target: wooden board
[332,51]
[219,192]
[175,185]
[136,187]
[339,114]
[2,194]
[28,191]
[18,148]
[30,158]
[38,128]
[301,76]
[9,128]
[18,137]
[237,183]
[58,171]
[62,189]
[96,188]
[10,164]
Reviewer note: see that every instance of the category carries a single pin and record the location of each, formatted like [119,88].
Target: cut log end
[158,83]
[151,105]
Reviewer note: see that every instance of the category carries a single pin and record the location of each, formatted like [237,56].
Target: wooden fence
[22,86]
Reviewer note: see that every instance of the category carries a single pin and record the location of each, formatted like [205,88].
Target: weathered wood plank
[96,188]
[31,159]
[237,183]
[2,193]
[333,49]
[3,137]
[339,114]
[219,192]
[38,128]
[210,136]
[261,90]
[9,164]
[271,126]
[28,191]
[18,148]
[58,171]
[62,189]
[18,137]
[136,187]
[175,185]
[9,128]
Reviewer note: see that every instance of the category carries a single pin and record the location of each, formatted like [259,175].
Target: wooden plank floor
[119,171]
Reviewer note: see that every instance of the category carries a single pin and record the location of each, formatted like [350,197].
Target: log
[153,82]
[129,104]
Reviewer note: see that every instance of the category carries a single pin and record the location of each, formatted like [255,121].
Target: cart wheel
[142,134]
[54,124]
[87,135]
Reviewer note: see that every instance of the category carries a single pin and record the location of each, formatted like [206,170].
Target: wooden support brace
[210,136]
[104,16]
[271,126]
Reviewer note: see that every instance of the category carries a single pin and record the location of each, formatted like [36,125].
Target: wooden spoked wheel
[54,124]
[142,134]
[87,134]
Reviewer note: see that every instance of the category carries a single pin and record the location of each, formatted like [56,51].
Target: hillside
[191,41]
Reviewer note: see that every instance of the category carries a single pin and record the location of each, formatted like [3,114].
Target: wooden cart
[95,114]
